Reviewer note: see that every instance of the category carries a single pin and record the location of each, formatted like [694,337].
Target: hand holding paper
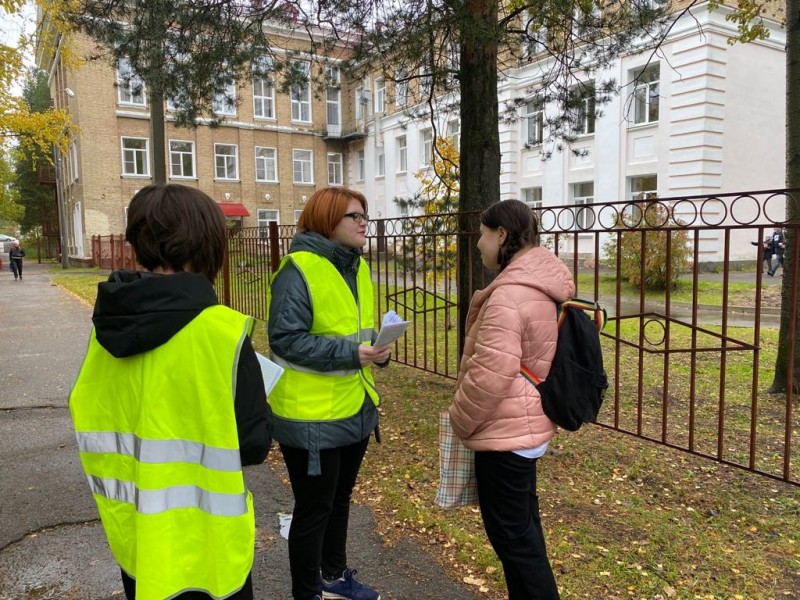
[392,328]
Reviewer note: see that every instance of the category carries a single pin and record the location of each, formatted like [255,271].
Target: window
[425,83]
[380,162]
[263,89]
[130,87]
[362,103]
[534,38]
[532,197]
[73,162]
[645,95]
[301,92]
[265,217]
[426,146]
[361,168]
[582,194]
[181,159]
[226,161]
[334,96]
[583,101]
[380,96]
[402,155]
[266,164]
[302,166]
[454,133]
[401,88]
[534,122]
[644,188]
[335,169]
[453,56]
[297,214]
[135,156]
[225,101]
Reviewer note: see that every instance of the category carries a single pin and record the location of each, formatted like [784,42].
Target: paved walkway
[51,543]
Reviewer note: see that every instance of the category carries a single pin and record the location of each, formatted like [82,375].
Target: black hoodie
[136,312]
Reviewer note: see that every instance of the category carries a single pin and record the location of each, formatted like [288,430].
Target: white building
[705,118]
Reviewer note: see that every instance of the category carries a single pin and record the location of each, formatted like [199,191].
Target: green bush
[651,220]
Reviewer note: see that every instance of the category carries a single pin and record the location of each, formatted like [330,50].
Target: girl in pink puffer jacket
[496,411]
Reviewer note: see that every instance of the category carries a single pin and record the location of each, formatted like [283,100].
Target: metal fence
[689,353]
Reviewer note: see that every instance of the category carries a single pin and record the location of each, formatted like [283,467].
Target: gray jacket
[290,319]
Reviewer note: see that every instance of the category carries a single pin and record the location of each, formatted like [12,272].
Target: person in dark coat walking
[778,245]
[766,253]
[15,256]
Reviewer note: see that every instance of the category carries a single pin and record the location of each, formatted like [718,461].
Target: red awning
[233,209]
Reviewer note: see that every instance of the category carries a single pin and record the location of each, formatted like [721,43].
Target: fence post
[381,232]
[274,247]
[226,272]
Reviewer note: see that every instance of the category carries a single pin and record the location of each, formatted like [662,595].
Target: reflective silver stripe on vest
[366,335]
[151,502]
[289,365]
[159,451]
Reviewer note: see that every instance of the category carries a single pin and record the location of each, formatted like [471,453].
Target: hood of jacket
[346,260]
[136,312]
[537,268]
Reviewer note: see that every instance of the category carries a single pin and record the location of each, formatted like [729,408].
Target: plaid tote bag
[457,484]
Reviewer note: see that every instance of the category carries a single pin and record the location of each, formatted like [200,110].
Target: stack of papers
[269,371]
[392,328]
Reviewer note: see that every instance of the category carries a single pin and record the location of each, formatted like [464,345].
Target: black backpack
[576,385]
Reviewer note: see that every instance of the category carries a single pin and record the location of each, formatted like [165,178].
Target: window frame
[401,164]
[300,94]
[126,84]
[361,165]
[380,96]
[426,147]
[301,162]
[579,201]
[224,103]
[226,157]
[534,122]
[586,107]
[335,168]
[182,154]
[136,151]
[266,162]
[646,94]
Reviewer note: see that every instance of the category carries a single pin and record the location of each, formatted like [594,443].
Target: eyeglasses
[357,216]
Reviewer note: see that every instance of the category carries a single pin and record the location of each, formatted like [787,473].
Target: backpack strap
[600,317]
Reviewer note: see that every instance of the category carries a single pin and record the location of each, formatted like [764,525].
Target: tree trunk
[788,347]
[157,135]
[480,139]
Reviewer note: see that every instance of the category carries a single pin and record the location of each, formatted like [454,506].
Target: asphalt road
[51,543]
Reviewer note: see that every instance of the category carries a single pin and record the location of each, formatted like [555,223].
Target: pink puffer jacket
[512,320]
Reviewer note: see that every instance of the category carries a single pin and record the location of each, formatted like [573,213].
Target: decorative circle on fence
[686,211]
[776,204]
[652,329]
[711,207]
[745,209]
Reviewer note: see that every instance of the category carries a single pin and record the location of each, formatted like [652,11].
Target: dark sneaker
[347,588]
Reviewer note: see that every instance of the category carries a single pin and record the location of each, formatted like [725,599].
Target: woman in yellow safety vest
[321,330]
[169,405]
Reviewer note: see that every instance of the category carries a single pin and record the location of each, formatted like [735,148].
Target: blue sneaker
[347,588]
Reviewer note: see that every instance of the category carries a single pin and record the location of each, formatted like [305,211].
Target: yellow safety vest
[308,395]
[158,441]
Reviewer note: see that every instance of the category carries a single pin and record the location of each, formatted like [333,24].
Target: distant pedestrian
[766,253]
[15,256]
[496,412]
[169,405]
[778,245]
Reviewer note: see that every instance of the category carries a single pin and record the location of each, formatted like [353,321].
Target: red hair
[326,208]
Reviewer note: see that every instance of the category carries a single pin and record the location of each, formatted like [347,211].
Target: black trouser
[246,593]
[510,511]
[16,267]
[318,534]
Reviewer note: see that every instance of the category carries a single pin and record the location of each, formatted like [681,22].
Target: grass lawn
[623,518]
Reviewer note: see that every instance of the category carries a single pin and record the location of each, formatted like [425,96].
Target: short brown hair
[177,227]
[326,208]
